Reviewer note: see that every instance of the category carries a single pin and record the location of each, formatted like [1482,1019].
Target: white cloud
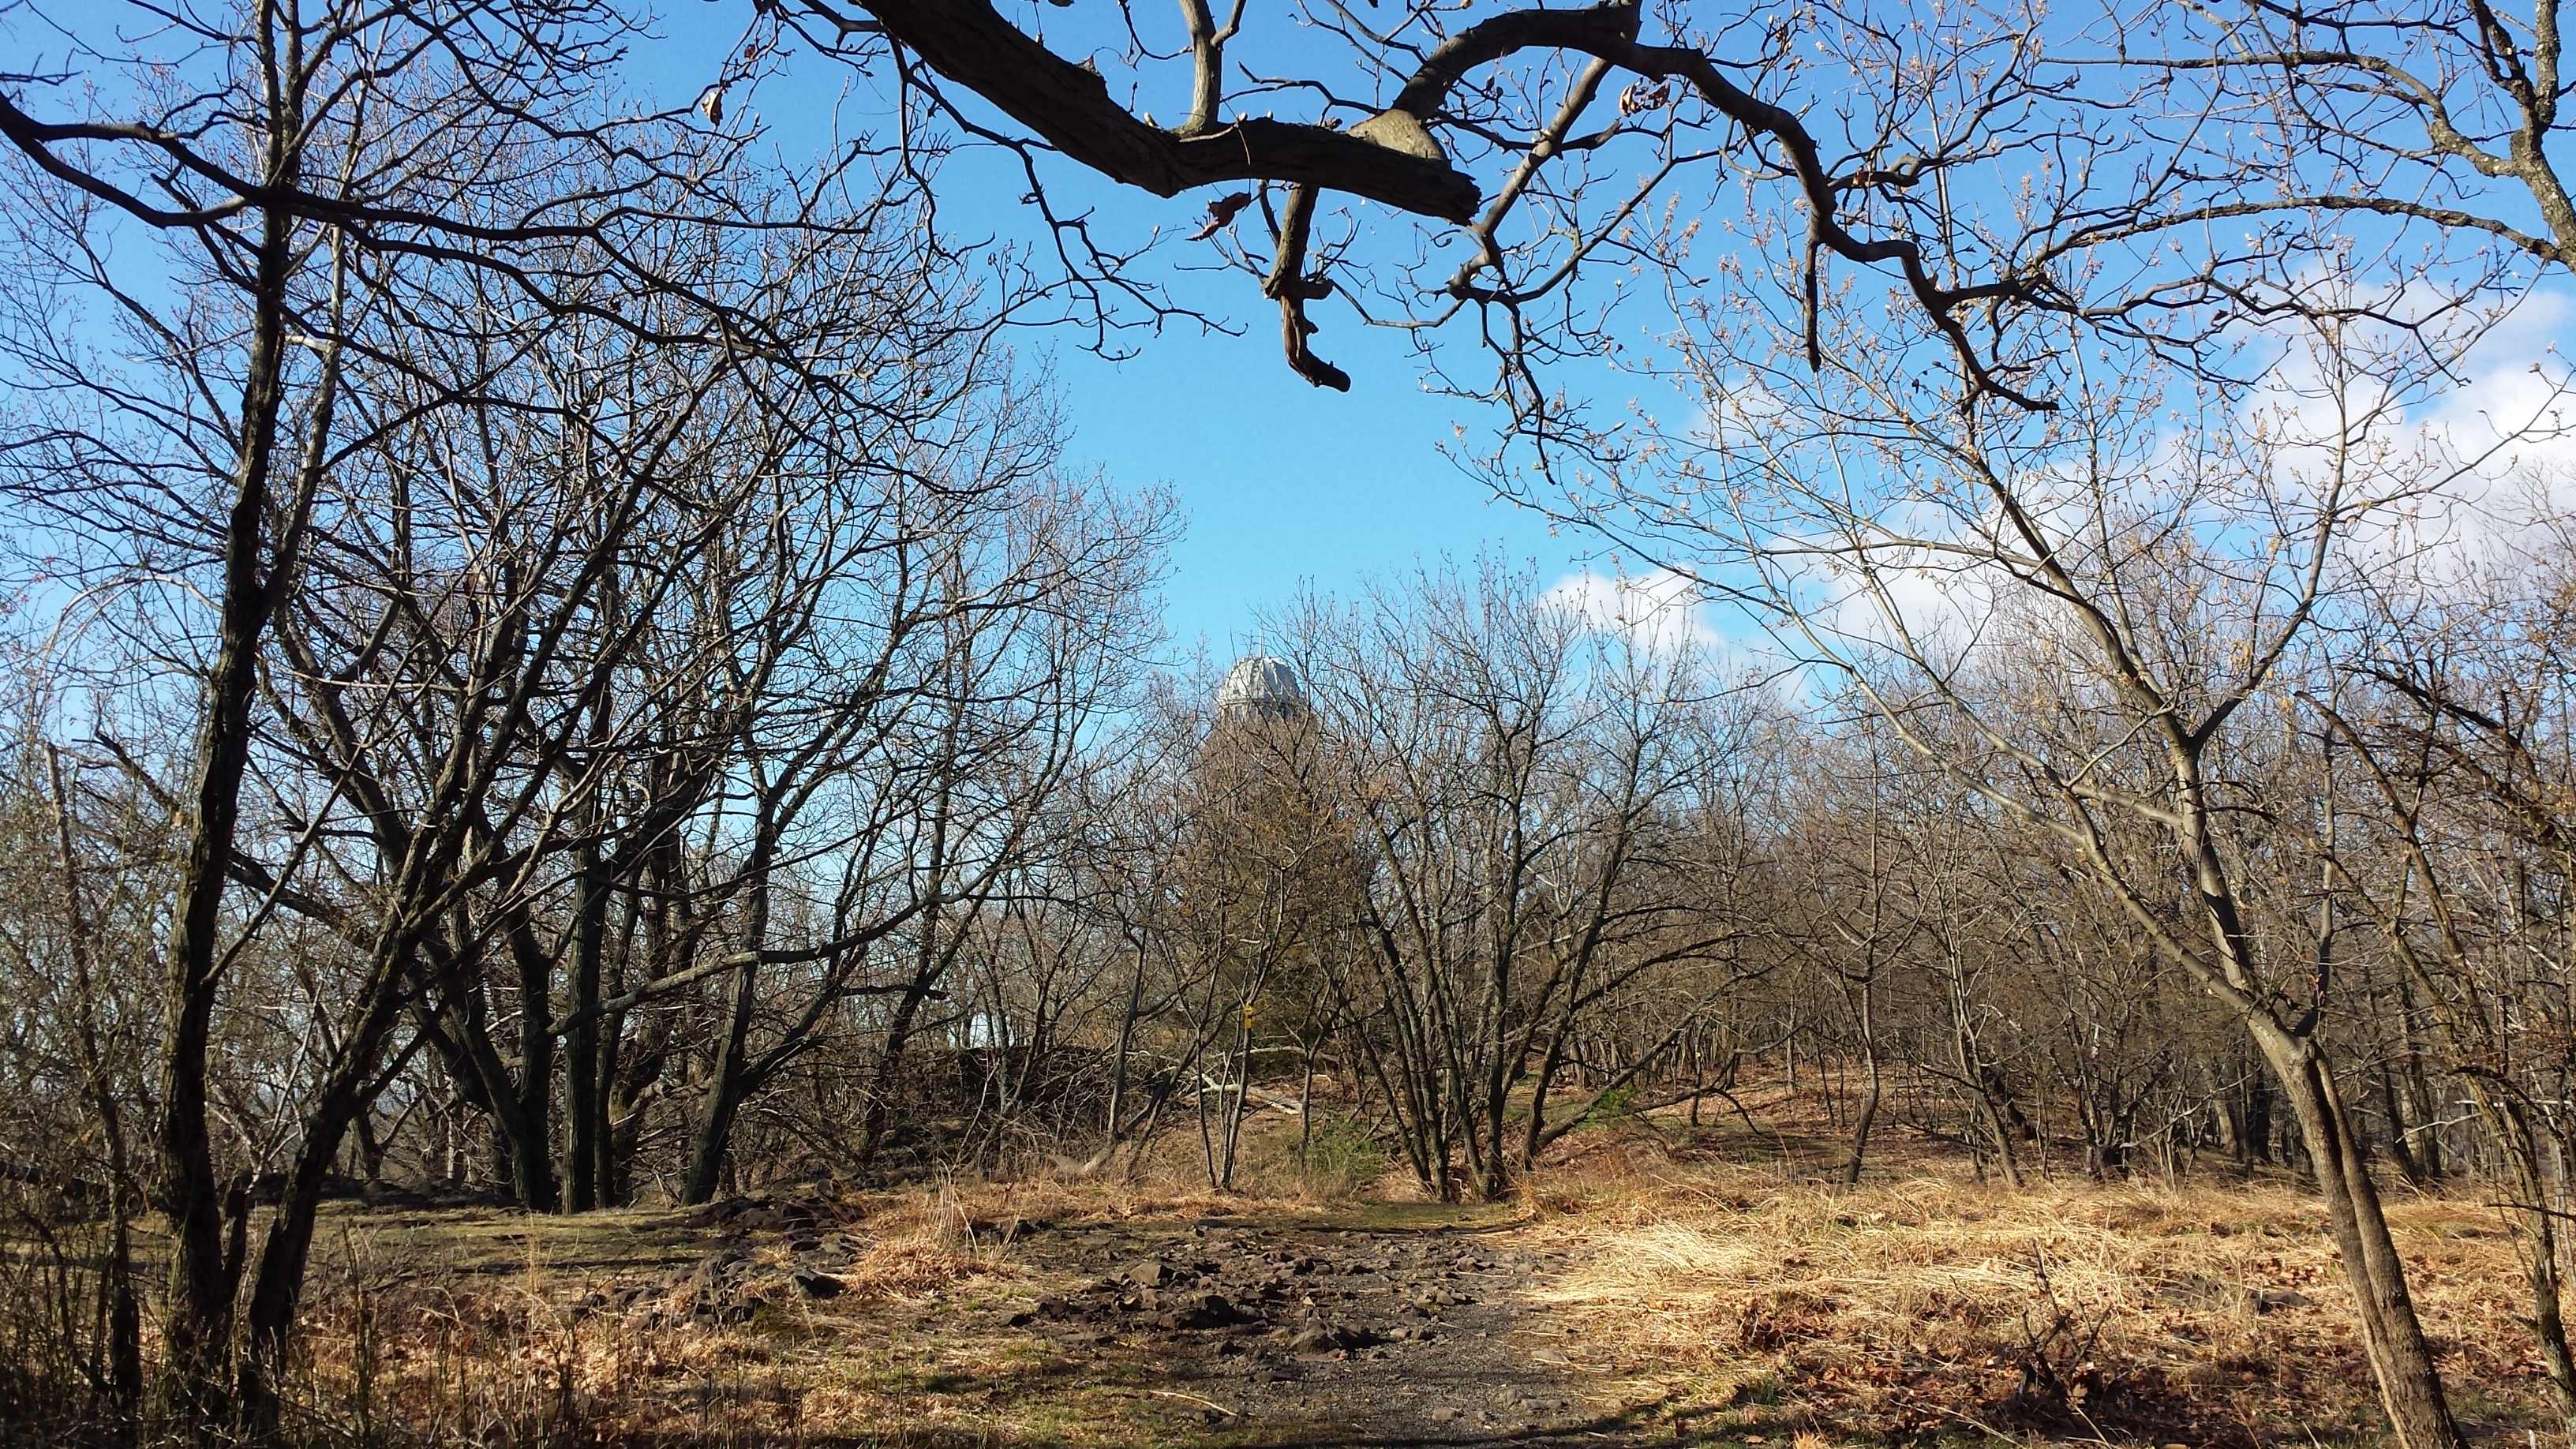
[1661,609]
[2514,409]
[2498,433]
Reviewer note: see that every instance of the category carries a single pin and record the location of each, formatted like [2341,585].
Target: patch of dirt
[1327,1333]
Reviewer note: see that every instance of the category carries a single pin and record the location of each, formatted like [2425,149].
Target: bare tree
[2321,126]
[1514,776]
[296,171]
[1850,859]
[2456,852]
[2071,616]
[444,672]
[904,717]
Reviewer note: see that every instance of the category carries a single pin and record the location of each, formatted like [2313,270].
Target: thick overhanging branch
[1069,105]
[1589,30]
[1391,158]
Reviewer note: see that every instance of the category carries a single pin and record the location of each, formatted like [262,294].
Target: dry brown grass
[1921,1302]
[501,1329]
[1713,1273]
[528,1364]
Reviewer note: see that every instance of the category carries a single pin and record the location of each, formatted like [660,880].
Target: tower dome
[1261,687]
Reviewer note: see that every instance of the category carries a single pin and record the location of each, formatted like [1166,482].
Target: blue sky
[1281,481]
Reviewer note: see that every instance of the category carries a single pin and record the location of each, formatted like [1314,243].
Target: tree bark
[729,1079]
[724,1091]
[1864,1118]
[881,1080]
[1867,1115]
[197,1329]
[532,1156]
[583,1127]
[278,1288]
[123,1350]
[2410,1386]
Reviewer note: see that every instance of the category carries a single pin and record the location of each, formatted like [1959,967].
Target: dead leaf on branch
[1220,214]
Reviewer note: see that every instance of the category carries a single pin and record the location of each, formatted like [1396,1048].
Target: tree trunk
[2509,1124]
[607,1174]
[2253,1106]
[1490,1179]
[723,1094]
[2542,1278]
[2400,1135]
[519,1157]
[2410,1387]
[729,1081]
[1551,1061]
[122,1352]
[1989,1111]
[2001,1133]
[628,1072]
[582,1097]
[278,1289]
[881,1081]
[197,1330]
[532,1155]
[1863,1118]
[929,963]
[1118,1058]
[2425,1104]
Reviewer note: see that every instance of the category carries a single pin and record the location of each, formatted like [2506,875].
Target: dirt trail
[1314,1333]
[1368,1324]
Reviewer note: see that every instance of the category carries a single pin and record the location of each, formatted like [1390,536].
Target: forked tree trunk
[883,1078]
[2410,1385]
[2001,1132]
[1863,1119]
[725,1087]
[2543,1281]
[1117,1060]
[2509,1125]
[532,1146]
[277,1291]
[1867,1115]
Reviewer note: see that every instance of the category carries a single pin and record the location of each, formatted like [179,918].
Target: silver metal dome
[1261,686]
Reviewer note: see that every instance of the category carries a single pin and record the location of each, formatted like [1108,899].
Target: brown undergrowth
[1713,1276]
[493,1328]
[1924,1302]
